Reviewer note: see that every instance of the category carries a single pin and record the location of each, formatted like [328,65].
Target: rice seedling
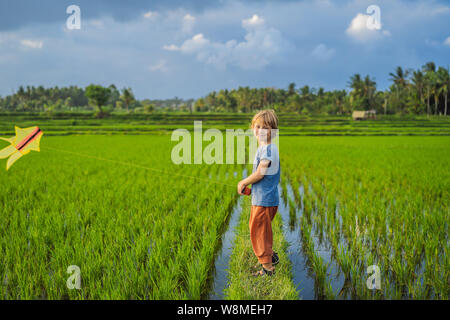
[134,234]
[393,209]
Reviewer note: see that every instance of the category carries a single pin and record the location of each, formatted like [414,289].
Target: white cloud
[254,21]
[262,45]
[322,52]
[171,47]
[191,45]
[160,66]
[359,30]
[33,44]
[188,23]
[358,24]
[447,42]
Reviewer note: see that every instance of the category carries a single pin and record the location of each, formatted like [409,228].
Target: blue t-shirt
[265,191]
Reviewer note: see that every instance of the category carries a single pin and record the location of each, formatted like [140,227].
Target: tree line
[93,97]
[415,92]
[422,91]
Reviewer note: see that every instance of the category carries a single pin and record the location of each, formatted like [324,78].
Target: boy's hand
[240,187]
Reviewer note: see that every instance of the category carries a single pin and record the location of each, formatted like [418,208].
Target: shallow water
[303,276]
[303,281]
[222,260]
[221,263]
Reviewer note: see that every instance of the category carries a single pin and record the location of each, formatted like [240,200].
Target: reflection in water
[221,263]
[302,278]
[303,274]
[223,256]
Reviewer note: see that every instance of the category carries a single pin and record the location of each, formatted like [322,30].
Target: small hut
[362,115]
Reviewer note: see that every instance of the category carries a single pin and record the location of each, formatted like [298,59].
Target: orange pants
[260,225]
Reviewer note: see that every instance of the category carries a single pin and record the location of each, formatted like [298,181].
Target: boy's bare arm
[255,176]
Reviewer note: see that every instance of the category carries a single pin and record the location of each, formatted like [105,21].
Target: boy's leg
[261,233]
[271,211]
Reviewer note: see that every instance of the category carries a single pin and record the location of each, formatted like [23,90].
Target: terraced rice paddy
[140,227]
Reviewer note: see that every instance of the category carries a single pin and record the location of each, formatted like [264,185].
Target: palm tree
[370,87]
[363,90]
[444,77]
[291,89]
[386,101]
[339,98]
[419,81]
[434,84]
[21,95]
[429,69]
[400,79]
[355,83]
[305,93]
[127,97]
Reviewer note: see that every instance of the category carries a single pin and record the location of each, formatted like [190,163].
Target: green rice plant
[134,233]
[393,208]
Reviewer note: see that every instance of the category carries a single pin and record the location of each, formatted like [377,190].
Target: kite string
[137,166]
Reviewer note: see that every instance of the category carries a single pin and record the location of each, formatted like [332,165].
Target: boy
[264,180]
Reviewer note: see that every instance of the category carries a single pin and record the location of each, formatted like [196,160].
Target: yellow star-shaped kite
[26,140]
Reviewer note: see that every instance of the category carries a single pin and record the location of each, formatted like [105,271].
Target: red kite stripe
[32,136]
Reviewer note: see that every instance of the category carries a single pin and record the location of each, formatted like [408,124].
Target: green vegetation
[134,233]
[375,200]
[412,92]
[164,123]
[98,96]
[74,99]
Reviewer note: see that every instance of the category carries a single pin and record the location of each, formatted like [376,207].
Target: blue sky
[188,48]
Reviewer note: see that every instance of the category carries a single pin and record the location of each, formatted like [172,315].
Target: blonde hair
[268,117]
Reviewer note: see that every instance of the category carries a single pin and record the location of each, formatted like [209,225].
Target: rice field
[134,233]
[140,227]
[380,201]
